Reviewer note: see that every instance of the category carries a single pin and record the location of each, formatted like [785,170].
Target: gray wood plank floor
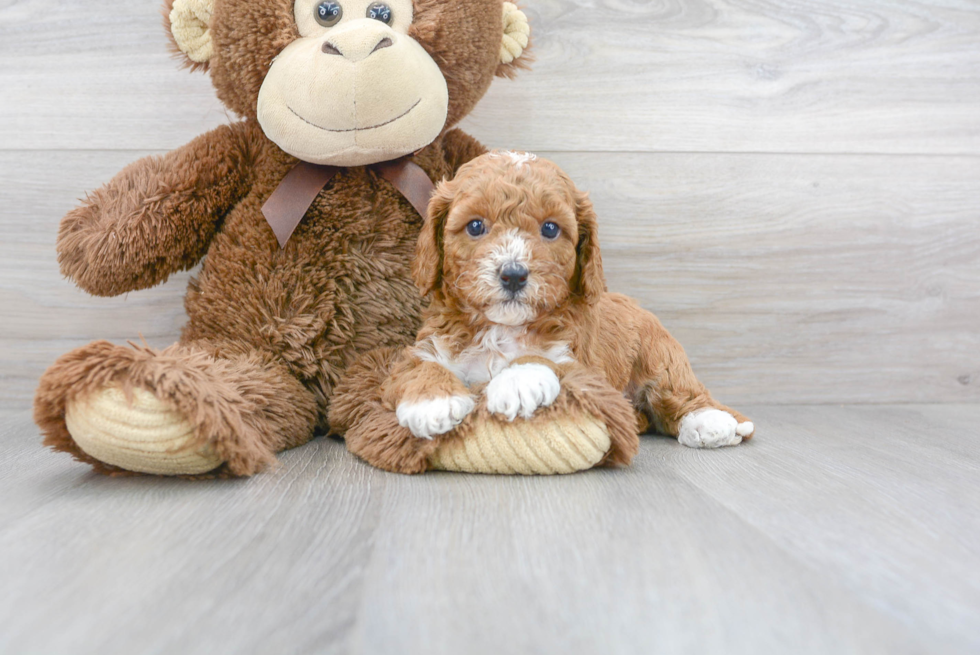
[839,530]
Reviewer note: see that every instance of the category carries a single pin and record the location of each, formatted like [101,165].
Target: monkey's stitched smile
[358,129]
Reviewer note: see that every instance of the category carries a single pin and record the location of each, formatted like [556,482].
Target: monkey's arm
[157,216]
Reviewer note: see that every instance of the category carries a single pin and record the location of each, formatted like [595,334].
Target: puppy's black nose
[513,277]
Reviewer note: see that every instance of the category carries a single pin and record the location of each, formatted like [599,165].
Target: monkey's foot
[140,433]
[178,411]
[561,445]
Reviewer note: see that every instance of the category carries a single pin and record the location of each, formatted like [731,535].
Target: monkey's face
[351,82]
[354,88]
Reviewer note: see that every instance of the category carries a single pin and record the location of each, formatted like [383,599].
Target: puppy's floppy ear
[589,279]
[427,267]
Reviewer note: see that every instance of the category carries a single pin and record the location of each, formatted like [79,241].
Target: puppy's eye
[328,14]
[476,228]
[550,230]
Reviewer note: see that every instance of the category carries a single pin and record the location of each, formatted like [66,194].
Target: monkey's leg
[179,411]
[665,387]
[587,393]
[364,410]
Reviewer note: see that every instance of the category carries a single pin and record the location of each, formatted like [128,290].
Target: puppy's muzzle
[513,278]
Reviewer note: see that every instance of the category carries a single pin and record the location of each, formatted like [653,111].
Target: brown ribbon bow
[288,204]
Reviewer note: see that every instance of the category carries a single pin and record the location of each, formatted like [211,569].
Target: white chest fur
[490,353]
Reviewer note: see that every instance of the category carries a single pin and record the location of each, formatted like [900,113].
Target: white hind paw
[711,428]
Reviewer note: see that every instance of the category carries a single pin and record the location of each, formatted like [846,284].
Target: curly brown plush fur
[270,329]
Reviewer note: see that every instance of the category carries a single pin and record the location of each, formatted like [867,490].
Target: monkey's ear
[427,267]
[516,42]
[189,24]
[589,279]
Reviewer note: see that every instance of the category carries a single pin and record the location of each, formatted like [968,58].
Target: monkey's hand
[156,217]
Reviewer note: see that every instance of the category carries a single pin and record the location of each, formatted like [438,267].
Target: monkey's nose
[513,277]
[355,50]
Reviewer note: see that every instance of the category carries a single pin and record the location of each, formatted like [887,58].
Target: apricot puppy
[510,257]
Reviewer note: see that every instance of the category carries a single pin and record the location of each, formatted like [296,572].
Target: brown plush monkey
[278,310]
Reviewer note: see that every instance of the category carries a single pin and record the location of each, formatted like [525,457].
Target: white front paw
[521,389]
[427,418]
[709,428]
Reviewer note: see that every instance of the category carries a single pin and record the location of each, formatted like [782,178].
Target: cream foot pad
[551,447]
[145,435]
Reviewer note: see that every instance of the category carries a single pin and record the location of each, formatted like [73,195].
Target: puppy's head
[510,238]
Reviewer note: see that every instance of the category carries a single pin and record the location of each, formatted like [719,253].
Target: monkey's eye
[550,230]
[328,14]
[476,228]
[380,11]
